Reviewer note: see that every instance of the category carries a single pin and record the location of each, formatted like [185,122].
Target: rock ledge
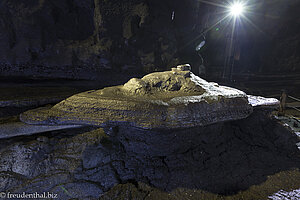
[170,99]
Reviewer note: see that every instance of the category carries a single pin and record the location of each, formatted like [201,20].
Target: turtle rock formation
[170,99]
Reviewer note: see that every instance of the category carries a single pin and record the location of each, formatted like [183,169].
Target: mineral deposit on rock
[169,99]
[258,101]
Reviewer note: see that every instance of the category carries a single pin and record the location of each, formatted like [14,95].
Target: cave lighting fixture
[236,9]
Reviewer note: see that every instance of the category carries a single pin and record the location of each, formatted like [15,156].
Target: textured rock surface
[286,195]
[81,39]
[18,128]
[170,99]
[203,157]
[49,162]
[144,191]
[255,154]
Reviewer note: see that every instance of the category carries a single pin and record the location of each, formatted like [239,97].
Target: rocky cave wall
[78,39]
[84,39]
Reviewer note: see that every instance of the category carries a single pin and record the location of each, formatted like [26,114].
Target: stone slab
[19,128]
[170,99]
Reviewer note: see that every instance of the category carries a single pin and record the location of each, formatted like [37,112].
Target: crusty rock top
[170,99]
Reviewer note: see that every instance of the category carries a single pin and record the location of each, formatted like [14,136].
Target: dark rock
[75,39]
[81,39]
[39,164]
[17,97]
[203,157]
[78,190]
[221,158]
[21,96]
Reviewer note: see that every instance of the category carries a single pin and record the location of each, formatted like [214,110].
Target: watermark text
[24,195]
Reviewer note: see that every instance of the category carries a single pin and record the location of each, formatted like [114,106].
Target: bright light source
[236,9]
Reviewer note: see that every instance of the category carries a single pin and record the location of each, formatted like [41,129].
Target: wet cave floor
[80,161]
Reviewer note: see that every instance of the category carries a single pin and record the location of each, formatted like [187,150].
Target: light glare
[236,9]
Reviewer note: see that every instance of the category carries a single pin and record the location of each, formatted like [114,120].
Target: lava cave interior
[160,99]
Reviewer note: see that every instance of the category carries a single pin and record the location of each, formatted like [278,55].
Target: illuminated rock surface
[257,101]
[285,195]
[170,99]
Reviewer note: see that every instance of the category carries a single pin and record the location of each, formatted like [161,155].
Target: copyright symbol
[2,195]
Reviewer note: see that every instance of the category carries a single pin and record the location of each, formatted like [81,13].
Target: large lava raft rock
[167,131]
[170,99]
